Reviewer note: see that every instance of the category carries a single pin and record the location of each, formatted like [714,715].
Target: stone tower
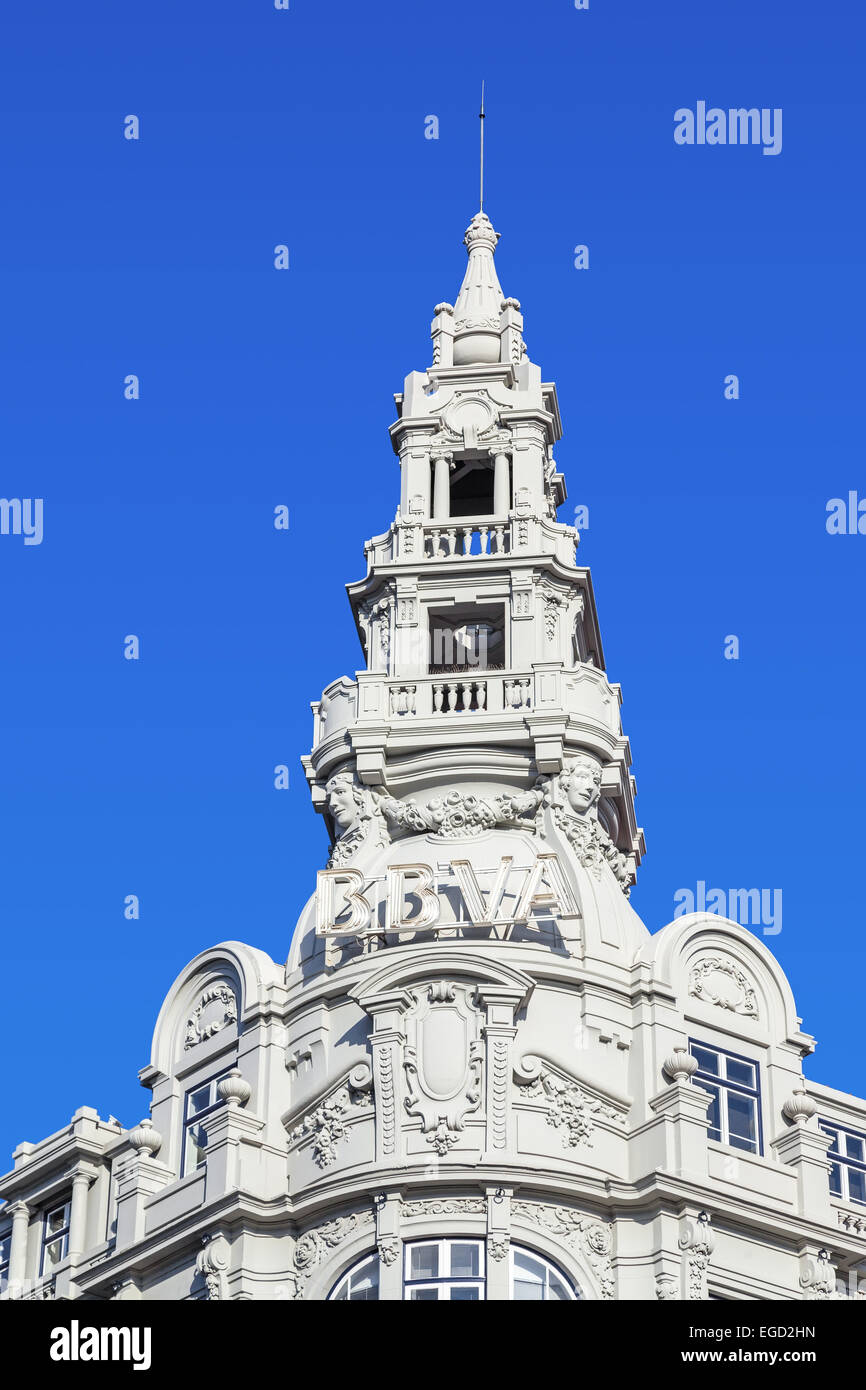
[479,1076]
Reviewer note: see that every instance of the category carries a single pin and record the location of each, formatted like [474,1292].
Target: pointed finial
[481,120]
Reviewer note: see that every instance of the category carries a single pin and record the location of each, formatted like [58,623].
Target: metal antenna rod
[481,119]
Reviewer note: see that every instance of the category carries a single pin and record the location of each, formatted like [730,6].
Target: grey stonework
[475,1035]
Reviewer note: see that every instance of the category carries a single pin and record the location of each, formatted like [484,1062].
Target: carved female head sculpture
[580,779]
[345,801]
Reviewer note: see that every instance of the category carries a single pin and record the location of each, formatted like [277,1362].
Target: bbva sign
[545,888]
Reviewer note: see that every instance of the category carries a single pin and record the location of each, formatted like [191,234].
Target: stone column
[82,1177]
[20,1213]
[441,487]
[501,483]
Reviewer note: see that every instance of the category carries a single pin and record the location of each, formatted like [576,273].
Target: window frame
[724,1087]
[189,1120]
[50,1238]
[549,1268]
[445,1281]
[842,1161]
[5,1239]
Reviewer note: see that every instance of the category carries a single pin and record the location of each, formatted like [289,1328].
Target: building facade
[479,1075]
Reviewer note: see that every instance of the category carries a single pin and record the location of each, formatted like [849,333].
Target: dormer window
[732,1081]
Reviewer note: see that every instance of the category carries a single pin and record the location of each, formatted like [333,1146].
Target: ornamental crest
[442,1061]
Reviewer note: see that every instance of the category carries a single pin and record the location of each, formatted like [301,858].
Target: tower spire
[481,122]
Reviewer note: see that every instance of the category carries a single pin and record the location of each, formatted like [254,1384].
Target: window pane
[199,1100]
[714,1114]
[528,1269]
[53,1253]
[56,1220]
[196,1144]
[365,1281]
[424,1262]
[556,1289]
[854,1147]
[707,1061]
[741,1119]
[465,1261]
[527,1291]
[836,1179]
[5,1249]
[856,1185]
[741,1072]
[424,1295]
[465,1293]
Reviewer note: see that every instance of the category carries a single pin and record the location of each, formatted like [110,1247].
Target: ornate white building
[478,1075]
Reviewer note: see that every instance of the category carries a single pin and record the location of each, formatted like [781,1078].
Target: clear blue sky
[707,517]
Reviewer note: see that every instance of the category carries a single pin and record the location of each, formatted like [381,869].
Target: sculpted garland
[371,818]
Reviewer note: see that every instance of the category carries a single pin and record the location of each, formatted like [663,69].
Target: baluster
[438,697]
[466,535]
[434,542]
[481,688]
[482,539]
[403,701]
[411,699]
[524,691]
[509,693]
[498,540]
[451,540]
[452,698]
[393,699]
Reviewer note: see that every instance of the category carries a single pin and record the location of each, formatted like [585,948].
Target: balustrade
[455,541]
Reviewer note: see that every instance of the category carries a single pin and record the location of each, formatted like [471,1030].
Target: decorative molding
[697,1241]
[315,1244]
[817,1276]
[211,1264]
[444,1206]
[851,1222]
[442,1062]
[497,1247]
[201,1024]
[389,1249]
[666,1288]
[592,1237]
[799,1106]
[719,980]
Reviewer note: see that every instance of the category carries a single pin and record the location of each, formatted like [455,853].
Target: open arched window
[436,1271]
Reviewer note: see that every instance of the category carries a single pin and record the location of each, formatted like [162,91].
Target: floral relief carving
[217,1008]
[389,1249]
[719,980]
[314,1245]
[450,1206]
[585,1233]
[327,1123]
[698,1242]
[497,1247]
[569,1107]
[458,815]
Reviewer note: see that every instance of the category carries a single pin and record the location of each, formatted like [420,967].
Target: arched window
[437,1271]
[361,1284]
